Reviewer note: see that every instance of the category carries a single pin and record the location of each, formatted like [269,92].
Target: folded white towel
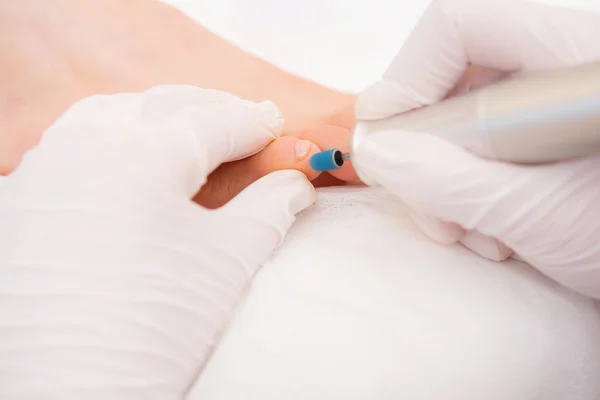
[358,304]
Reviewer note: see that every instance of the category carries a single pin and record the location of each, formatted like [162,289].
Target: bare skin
[53,54]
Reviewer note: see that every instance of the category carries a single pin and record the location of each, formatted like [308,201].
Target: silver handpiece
[540,118]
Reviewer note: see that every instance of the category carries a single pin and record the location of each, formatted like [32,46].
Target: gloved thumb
[207,128]
[164,141]
[262,214]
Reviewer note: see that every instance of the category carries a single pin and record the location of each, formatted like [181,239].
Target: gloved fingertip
[373,103]
[260,217]
[265,210]
[381,155]
[386,98]
[287,190]
[413,165]
[485,246]
[440,231]
[273,115]
[294,185]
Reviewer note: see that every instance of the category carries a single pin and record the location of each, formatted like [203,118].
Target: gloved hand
[549,215]
[114,284]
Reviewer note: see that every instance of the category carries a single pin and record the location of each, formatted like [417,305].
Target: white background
[340,43]
[346,44]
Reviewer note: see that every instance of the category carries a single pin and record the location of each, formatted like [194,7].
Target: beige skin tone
[54,53]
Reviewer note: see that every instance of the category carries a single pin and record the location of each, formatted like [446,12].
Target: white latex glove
[113,284]
[549,215]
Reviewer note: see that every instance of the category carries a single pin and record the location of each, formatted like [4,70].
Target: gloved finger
[474,78]
[165,140]
[225,128]
[487,247]
[231,178]
[441,231]
[515,204]
[191,142]
[441,180]
[448,232]
[507,36]
[263,213]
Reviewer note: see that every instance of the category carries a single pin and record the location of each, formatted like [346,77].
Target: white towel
[358,304]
